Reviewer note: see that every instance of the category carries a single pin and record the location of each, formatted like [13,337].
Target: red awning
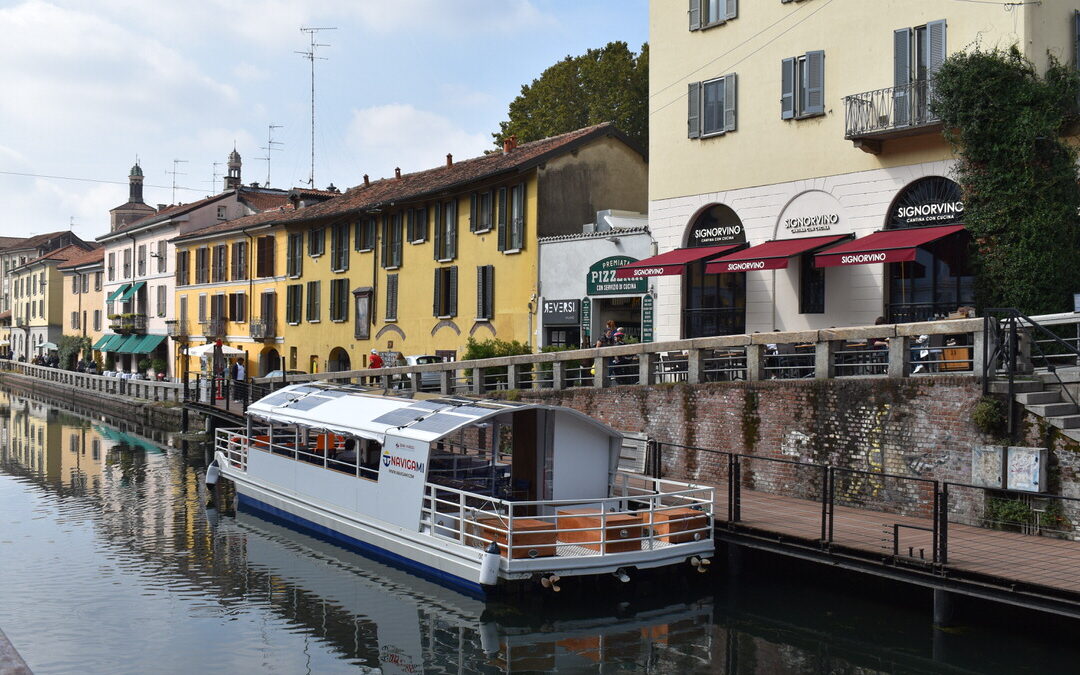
[884,247]
[672,262]
[772,255]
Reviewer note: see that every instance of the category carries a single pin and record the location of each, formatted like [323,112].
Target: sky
[91,85]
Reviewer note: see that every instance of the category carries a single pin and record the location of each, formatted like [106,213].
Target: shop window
[711,107]
[802,86]
[811,286]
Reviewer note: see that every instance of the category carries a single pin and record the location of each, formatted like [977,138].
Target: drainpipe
[134,298]
[251,290]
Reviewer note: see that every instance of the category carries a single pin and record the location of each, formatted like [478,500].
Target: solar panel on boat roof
[307,403]
[430,405]
[439,423]
[401,416]
[333,393]
[472,411]
[277,399]
[305,389]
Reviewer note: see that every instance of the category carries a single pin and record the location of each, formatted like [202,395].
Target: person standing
[375,361]
[239,374]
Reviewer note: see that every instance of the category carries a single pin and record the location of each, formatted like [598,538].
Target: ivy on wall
[1019,177]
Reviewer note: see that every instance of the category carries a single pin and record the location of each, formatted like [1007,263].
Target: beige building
[84,301]
[778,121]
[38,303]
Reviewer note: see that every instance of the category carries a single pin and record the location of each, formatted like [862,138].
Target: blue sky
[90,84]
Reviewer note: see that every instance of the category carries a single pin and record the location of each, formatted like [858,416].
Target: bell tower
[232,178]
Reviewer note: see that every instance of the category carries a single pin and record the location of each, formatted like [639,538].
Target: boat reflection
[377,613]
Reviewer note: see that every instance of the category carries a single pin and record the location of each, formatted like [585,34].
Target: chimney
[255,185]
[162,207]
[509,143]
[397,172]
[367,181]
[449,159]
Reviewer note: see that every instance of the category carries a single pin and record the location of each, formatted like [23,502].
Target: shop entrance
[624,311]
[714,304]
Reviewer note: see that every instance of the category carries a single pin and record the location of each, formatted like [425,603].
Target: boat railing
[319,449]
[646,515]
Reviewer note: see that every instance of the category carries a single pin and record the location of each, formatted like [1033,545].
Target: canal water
[111,562]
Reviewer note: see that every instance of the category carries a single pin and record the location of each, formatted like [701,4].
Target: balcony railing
[891,112]
[262,329]
[176,328]
[128,323]
[214,328]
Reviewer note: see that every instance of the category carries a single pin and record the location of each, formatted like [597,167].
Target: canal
[110,561]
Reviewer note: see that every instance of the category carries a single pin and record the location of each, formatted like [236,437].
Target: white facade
[854,295]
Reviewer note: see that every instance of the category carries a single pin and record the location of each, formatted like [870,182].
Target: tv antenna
[310,55]
[174,173]
[270,143]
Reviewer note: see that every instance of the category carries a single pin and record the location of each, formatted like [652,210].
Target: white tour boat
[475,493]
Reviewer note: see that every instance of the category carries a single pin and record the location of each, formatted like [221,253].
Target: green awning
[102,341]
[112,296]
[111,343]
[148,344]
[128,344]
[130,292]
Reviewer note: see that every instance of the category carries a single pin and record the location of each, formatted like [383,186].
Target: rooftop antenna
[174,173]
[71,222]
[310,56]
[214,175]
[270,143]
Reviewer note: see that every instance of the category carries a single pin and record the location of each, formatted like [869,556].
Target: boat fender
[489,565]
[212,474]
[489,637]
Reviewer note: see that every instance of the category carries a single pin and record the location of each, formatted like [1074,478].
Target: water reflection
[110,561]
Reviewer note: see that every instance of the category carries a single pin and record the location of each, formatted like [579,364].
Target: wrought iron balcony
[893,112]
[214,328]
[176,328]
[128,323]
[262,329]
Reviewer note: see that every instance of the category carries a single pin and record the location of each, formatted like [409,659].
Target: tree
[1019,178]
[610,84]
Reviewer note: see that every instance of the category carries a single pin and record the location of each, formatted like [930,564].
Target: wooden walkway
[1051,563]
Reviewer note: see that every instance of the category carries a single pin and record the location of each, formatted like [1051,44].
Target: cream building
[777,121]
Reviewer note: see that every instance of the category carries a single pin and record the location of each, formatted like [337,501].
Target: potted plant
[143,365]
[160,366]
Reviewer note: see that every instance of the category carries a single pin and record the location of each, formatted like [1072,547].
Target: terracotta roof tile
[238,224]
[432,181]
[90,257]
[262,201]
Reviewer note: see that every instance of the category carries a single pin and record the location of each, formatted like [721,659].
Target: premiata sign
[601,278]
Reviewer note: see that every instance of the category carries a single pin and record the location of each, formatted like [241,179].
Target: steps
[1048,403]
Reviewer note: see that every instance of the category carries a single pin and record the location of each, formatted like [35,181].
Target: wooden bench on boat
[677,526]
[532,538]
[618,532]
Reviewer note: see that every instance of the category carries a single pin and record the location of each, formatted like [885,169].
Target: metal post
[1012,378]
[937,522]
[825,504]
[735,487]
[943,525]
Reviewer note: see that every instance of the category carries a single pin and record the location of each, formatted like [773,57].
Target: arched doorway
[269,360]
[940,278]
[713,304]
[338,361]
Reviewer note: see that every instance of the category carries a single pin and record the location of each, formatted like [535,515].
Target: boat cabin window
[359,456]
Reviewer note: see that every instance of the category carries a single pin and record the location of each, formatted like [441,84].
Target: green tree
[1019,178]
[610,84]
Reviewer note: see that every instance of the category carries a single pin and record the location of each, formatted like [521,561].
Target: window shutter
[451,228]
[472,213]
[901,75]
[453,291]
[695,14]
[730,94]
[440,238]
[693,110]
[438,293]
[480,304]
[421,224]
[501,222]
[787,89]
[1076,38]
[489,285]
[384,246]
[935,34]
[731,10]
[815,84]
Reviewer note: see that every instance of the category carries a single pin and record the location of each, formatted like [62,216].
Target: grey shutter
[935,37]
[787,89]
[453,291]
[440,239]
[472,213]
[384,246]
[693,110]
[501,220]
[1076,38]
[450,215]
[480,304]
[901,76]
[730,99]
[438,292]
[815,83]
[695,14]
[489,295]
[731,10]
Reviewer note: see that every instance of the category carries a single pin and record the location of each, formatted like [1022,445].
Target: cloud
[401,135]
[457,17]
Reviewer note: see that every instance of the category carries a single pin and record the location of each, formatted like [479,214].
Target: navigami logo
[406,463]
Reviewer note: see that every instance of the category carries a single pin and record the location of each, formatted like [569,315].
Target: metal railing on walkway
[116,384]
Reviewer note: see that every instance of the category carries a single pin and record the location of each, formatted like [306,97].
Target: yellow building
[782,121]
[418,263]
[38,302]
[84,300]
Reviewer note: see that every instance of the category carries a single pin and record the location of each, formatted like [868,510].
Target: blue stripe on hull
[294,521]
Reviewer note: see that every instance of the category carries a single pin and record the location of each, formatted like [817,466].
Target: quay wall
[157,415]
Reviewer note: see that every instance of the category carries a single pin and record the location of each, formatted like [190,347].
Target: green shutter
[693,110]
[815,83]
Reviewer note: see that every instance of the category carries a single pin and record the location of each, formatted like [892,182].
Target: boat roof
[352,410]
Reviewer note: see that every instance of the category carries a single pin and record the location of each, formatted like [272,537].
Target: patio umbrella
[47,345]
[208,350]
